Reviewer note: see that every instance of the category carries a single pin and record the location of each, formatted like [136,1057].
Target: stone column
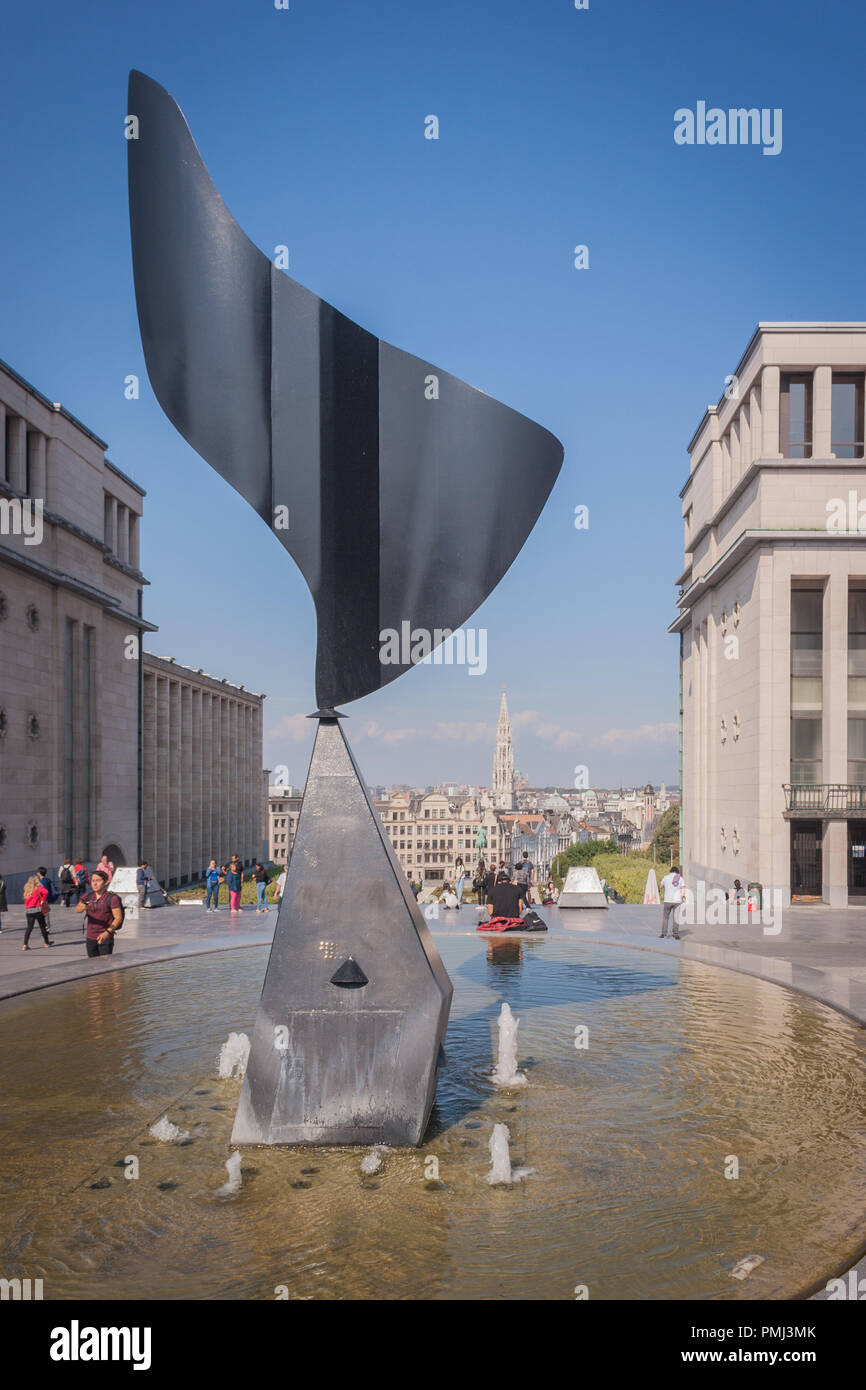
[822,412]
[16,463]
[122,544]
[770,385]
[162,796]
[110,536]
[835,726]
[36,470]
[745,438]
[134,549]
[148,780]
[195,792]
[736,468]
[225,793]
[755,422]
[186,797]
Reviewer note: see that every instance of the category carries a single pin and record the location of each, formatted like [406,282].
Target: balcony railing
[825,800]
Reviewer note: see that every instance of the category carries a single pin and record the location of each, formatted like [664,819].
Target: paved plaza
[819,951]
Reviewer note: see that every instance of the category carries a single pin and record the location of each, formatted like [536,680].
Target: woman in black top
[260,874]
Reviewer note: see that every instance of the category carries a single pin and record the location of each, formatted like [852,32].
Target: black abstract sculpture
[353,452]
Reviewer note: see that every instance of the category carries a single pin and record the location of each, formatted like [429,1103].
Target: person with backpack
[53,895]
[82,881]
[37,910]
[523,878]
[66,879]
[104,916]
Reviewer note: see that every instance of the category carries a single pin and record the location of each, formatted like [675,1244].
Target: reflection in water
[630,1140]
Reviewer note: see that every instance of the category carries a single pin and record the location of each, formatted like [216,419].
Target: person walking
[260,874]
[234,877]
[672,885]
[142,878]
[66,880]
[53,895]
[37,910]
[212,887]
[459,877]
[82,880]
[103,916]
[4,906]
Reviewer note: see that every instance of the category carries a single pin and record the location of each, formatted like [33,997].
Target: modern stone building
[70,630]
[102,748]
[773,621]
[202,781]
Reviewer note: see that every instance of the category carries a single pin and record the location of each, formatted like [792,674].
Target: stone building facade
[102,748]
[429,832]
[773,621]
[202,780]
[70,639]
[284,809]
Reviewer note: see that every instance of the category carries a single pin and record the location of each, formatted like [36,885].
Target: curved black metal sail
[407,498]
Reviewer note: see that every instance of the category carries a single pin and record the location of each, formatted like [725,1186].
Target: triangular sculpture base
[354,1007]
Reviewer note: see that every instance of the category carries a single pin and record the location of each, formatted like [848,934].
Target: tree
[584,852]
[667,836]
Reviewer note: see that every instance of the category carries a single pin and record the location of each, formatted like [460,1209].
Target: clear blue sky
[556,128]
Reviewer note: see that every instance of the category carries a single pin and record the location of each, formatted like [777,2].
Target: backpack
[524,872]
[66,875]
[113,897]
[532,922]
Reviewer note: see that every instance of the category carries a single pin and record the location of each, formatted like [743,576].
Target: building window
[847,416]
[806,685]
[795,416]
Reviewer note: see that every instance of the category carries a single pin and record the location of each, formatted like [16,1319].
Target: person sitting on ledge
[449,897]
[507,899]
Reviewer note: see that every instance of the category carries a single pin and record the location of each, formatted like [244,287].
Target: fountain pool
[688,1072]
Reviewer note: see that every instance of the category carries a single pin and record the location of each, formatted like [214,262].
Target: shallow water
[686,1069]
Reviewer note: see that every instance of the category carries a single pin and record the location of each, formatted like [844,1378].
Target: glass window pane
[857,611]
[844,415]
[806,692]
[797,412]
[805,773]
[857,738]
[806,610]
[805,738]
